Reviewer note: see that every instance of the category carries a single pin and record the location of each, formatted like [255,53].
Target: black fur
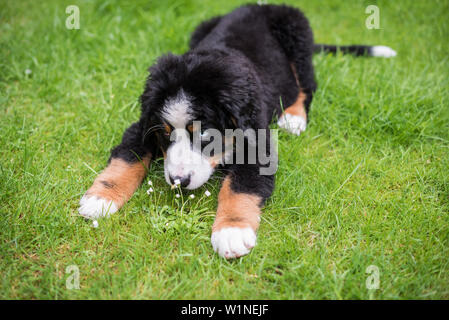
[236,73]
[357,50]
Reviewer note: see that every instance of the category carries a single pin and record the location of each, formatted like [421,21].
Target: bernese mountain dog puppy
[243,70]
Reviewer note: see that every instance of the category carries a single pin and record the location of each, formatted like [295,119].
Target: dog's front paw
[293,123]
[92,207]
[233,242]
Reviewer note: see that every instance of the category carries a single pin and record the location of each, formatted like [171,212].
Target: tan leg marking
[294,118]
[119,180]
[236,209]
[236,223]
[298,108]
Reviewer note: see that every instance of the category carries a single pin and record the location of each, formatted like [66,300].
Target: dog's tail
[357,50]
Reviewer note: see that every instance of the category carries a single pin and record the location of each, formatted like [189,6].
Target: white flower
[207,193]
[150,183]
[150,190]
[28,71]
[177,182]
[95,224]
[192,196]
[177,195]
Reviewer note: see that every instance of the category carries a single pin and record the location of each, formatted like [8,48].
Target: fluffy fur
[239,68]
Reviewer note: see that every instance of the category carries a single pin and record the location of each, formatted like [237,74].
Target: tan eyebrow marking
[167,128]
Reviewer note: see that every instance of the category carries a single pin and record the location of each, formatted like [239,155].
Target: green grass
[367,184]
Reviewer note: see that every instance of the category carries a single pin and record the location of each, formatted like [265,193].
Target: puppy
[242,70]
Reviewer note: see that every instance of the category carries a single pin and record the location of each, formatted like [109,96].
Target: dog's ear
[239,96]
[239,107]
[239,116]
[164,79]
[227,85]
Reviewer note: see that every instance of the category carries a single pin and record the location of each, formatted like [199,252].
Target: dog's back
[254,31]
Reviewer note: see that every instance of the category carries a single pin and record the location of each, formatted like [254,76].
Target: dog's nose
[183,181]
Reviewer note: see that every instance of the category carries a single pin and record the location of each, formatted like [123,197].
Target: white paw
[292,123]
[233,242]
[92,207]
[382,51]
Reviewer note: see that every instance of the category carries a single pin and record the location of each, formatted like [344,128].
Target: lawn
[366,185]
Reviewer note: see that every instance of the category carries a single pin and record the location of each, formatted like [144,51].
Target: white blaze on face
[182,160]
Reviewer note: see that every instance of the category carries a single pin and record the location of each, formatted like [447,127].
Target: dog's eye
[190,128]
[204,134]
